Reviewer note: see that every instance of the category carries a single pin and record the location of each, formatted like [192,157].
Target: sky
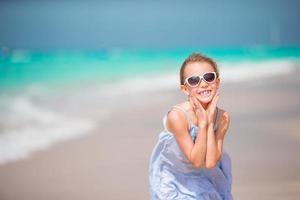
[33,24]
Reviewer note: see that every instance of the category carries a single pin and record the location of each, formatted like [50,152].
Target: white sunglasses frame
[201,78]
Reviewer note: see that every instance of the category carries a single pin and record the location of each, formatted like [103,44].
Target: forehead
[198,68]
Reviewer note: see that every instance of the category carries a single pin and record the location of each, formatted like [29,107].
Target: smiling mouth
[205,93]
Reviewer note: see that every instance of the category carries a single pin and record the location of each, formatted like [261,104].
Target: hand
[201,114]
[211,108]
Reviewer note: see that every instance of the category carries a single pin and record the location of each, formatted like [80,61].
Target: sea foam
[230,72]
[27,127]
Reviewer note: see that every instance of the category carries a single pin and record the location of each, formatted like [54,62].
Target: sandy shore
[112,162]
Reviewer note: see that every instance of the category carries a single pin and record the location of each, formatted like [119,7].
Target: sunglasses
[195,80]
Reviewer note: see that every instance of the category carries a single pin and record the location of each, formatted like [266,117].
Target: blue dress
[172,177]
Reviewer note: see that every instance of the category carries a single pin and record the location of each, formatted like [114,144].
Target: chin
[205,99]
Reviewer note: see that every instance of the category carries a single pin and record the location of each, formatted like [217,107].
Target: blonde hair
[197,57]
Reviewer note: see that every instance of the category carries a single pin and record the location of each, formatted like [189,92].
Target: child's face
[200,68]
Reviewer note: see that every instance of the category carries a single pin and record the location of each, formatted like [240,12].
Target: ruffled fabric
[172,177]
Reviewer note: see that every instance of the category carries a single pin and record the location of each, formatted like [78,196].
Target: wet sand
[112,161]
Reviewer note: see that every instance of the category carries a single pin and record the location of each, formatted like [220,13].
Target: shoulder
[178,114]
[224,119]
[176,120]
[224,115]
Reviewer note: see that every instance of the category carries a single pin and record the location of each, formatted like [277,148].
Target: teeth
[205,93]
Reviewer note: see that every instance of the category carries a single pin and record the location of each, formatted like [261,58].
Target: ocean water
[52,96]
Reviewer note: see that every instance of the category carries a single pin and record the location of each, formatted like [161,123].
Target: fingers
[217,99]
[197,103]
[212,107]
[192,102]
[194,99]
[214,101]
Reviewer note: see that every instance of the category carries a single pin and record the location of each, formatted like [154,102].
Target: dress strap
[217,119]
[186,115]
[189,119]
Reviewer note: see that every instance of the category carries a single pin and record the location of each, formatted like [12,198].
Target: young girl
[189,162]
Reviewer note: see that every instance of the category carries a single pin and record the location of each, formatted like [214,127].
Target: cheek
[215,87]
[193,90]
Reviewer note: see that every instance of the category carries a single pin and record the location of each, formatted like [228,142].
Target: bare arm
[215,141]
[208,146]
[221,132]
[198,153]
[212,150]
[207,149]
[195,153]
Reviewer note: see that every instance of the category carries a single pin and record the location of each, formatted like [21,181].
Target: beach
[111,160]
[85,86]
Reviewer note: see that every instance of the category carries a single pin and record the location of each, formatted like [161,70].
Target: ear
[184,90]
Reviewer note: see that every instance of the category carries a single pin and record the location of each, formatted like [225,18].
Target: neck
[204,105]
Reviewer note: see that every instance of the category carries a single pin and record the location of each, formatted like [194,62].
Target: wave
[245,71]
[36,118]
[26,127]
[230,72]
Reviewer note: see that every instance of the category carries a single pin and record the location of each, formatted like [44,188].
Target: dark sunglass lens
[194,80]
[209,77]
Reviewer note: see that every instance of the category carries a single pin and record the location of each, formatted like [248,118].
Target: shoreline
[53,110]
[112,161]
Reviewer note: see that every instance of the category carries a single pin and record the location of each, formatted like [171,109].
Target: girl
[189,162]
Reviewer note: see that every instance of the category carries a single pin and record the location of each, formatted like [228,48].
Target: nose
[203,83]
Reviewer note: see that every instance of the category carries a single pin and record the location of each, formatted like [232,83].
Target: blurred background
[84,86]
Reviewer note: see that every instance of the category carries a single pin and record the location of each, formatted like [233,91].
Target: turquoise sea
[19,68]
[50,96]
